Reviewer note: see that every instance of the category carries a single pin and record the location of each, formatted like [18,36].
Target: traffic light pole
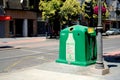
[99,62]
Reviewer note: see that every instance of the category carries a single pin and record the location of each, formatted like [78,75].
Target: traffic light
[89,8]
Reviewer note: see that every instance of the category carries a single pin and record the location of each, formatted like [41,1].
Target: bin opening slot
[71,29]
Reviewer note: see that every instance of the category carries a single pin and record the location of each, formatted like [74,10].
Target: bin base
[78,63]
[85,63]
[61,61]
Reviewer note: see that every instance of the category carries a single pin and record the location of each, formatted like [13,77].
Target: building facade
[23,22]
[114,18]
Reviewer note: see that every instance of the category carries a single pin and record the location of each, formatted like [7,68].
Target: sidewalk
[10,43]
[58,72]
[20,40]
[34,74]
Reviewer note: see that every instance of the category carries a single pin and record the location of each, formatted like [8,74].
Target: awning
[5,18]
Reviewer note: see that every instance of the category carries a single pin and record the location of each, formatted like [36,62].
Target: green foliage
[64,10]
[70,7]
[49,8]
[70,11]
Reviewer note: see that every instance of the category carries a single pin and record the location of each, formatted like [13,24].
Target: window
[14,4]
[18,4]
[2,3]
[25,4]
[34,5]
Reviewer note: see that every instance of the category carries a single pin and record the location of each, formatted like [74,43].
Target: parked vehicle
[113,31]
[104,34]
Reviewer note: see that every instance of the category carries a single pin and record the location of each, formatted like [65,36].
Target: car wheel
[107,34]
[113,33]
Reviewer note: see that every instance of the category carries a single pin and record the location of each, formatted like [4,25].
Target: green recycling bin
[77,46]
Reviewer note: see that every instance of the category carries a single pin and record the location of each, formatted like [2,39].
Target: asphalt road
[41,52]
[32,55]
[111,44]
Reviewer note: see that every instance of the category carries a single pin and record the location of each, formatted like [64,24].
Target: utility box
[77,46]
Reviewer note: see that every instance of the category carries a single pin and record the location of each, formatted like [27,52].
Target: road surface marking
[21,60]
[16,63]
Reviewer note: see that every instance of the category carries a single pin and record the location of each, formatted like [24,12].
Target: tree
[49,8]
[50,11]
[59,12]
[64,10]
[70,10]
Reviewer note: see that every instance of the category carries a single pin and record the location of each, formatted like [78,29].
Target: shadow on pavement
[112,65]
[2,47]
[114,59]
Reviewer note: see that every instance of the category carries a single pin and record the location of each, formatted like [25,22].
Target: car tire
[107,34]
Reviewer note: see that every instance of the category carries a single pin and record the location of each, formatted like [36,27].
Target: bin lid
[75,28]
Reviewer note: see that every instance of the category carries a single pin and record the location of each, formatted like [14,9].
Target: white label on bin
[70,48]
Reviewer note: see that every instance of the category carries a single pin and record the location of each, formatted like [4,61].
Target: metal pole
[99,62]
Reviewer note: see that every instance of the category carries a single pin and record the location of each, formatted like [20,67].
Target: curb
[112,36]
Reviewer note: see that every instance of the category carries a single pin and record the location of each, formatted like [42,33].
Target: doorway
[30,28]
[19,27]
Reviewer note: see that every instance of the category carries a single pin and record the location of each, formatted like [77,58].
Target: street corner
[114,53]
[72,69]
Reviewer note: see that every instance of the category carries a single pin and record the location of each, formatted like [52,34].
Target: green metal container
[77,46]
